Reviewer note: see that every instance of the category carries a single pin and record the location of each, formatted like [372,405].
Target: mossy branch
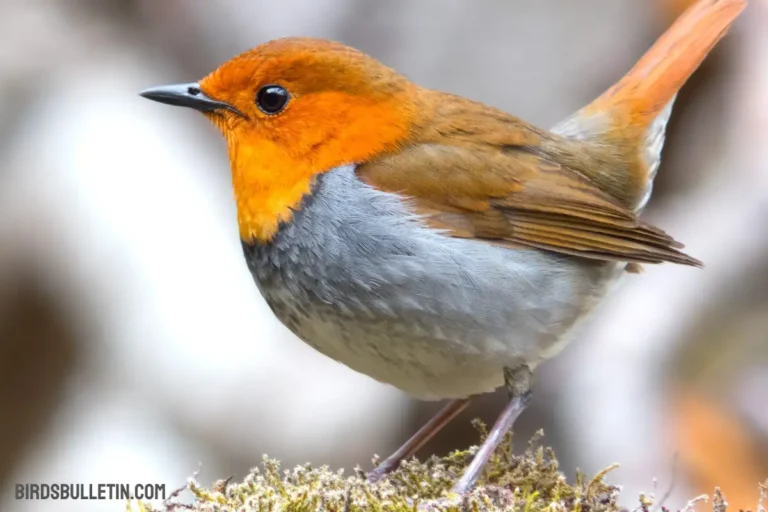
[531,482]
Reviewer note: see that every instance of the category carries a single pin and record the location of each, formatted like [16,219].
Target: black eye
[272,99]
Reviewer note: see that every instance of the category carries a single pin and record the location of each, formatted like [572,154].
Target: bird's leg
[518,383]
[425,433]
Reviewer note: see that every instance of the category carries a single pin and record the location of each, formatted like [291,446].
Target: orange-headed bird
[430,241]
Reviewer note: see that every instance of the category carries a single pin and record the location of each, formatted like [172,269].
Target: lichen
[531,482]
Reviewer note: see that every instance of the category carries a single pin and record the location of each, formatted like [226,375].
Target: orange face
[302,107]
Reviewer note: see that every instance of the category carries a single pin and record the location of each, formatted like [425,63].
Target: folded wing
[514,196]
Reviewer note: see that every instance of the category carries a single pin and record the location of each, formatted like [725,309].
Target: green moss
[531,482]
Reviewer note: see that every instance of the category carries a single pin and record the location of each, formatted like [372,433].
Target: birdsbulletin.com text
[90,491]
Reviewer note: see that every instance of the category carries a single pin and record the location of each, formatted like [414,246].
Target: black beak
[187,95]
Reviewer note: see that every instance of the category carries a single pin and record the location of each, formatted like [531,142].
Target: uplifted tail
[653,82]
[632,115]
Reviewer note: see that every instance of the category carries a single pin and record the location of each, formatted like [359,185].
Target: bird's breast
[357,276]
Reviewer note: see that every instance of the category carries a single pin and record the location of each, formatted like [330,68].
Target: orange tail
[652,84]
[631,116]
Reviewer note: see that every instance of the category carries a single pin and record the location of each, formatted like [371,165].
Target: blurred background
[134,345]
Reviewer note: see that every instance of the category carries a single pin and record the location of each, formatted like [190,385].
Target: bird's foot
[382,470]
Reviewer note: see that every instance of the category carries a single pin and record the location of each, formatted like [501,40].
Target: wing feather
[518,198]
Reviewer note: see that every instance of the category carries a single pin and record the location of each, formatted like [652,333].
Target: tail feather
[631,116]
[653,82]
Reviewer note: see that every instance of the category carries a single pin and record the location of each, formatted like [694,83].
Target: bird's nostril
[194,91]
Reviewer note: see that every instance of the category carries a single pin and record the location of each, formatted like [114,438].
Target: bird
[430,241]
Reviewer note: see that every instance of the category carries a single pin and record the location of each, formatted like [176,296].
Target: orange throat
[274,165]
[268,187]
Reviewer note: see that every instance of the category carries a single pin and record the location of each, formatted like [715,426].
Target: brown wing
[511,195]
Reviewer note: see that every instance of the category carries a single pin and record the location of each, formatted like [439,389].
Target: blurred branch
[38,350]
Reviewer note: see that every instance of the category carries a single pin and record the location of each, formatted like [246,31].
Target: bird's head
[291,109]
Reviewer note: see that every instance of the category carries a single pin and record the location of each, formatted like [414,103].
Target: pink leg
[419,439]
[517,405]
